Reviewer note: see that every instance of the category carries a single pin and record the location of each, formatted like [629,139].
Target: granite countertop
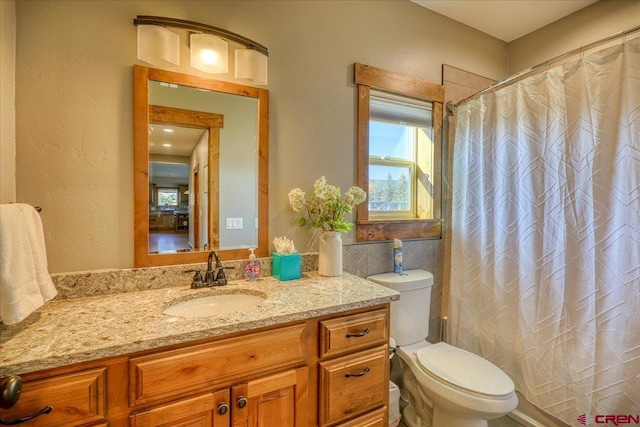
[67,331]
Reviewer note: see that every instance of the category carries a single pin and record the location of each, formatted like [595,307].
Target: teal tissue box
[286,267]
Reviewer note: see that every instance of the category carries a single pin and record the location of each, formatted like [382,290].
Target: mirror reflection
[204,160]
[171,221]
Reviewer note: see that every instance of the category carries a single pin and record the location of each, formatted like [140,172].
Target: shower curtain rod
[558,58]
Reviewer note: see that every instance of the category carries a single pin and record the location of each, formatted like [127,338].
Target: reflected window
[168,197]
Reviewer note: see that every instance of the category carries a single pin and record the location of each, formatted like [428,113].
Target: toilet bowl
[448,386]
[463,389]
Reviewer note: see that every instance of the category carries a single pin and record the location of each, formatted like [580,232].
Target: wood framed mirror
[202,185]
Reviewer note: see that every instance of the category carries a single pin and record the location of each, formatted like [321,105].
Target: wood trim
[263,176]
[362,159]
[184,118]
[437,154]
[397,83]
[142,75]
[213,186]
[140,165]
[195,219]
[368,77]
[398,229]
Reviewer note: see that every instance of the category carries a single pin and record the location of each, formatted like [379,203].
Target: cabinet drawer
[353,384]
[377,418]
[205,366]
[349,333]
[196,411]
[77,398]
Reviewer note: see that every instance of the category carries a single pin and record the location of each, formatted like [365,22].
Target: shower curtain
[545,252]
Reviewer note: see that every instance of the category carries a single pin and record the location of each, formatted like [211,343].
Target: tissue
[284,245]
[286,262]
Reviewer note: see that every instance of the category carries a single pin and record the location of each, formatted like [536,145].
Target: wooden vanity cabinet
[293,375]
[354,370]
[275,400]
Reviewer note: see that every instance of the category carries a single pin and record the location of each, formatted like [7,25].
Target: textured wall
[602,19]
[74,101]
[7,105]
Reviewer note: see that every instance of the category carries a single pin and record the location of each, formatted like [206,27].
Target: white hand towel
[25,284]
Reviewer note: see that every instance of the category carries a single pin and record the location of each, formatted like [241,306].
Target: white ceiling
[506,20]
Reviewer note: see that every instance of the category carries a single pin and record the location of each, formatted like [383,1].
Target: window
[400,150]
[399,164]
[168,197]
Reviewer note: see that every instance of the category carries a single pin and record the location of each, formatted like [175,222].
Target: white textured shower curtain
[545,270]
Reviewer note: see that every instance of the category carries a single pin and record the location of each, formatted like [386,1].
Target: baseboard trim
[524,419]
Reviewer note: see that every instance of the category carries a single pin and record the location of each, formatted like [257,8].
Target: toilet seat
[464,369]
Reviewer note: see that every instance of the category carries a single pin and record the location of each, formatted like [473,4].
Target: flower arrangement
[326,209]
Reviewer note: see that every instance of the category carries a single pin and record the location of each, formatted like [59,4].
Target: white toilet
[448,386]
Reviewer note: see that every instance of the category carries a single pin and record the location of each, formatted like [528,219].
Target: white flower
[296,199]
[355,196]
[327,208]
[320,187]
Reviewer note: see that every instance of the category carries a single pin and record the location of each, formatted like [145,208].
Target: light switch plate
[234,223]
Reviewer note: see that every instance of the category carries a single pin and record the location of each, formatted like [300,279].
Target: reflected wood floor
[168,241]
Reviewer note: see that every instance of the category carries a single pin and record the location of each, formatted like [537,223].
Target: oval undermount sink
[214,304]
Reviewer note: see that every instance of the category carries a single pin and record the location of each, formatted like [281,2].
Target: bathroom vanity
[314,353]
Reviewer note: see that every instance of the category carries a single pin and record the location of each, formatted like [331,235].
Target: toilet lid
[464,369]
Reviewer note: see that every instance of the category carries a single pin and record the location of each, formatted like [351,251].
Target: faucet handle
[221,278]
[197,281]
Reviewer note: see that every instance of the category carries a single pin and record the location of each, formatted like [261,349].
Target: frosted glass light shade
[209,53]
[252,66]
[158,46]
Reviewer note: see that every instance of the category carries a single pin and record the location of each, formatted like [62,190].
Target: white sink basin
[214,304]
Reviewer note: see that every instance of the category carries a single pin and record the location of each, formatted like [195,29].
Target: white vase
[330,254]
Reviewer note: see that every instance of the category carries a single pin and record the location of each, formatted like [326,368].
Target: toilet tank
[410,314]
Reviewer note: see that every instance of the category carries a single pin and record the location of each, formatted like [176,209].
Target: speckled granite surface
[66,331]
[103,282]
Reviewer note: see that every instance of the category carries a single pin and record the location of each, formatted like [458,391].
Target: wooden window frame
[370,230]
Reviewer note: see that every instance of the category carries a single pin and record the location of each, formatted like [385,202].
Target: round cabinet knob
[223,408]
[241,402]
[10,389]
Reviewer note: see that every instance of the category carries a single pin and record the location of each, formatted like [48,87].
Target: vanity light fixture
[251,66]
[209,53]
[208,48]
[158,46]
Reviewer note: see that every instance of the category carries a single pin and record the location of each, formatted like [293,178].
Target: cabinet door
[277,400]
[209,410]
[77,398]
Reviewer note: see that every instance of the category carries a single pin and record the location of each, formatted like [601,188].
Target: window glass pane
[389,188]
[168,197]
[391,140]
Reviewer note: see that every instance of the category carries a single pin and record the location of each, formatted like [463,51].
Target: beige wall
[7,102]
[74,101]
[602,19]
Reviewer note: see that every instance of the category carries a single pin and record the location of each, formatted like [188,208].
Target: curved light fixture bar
[203,28]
